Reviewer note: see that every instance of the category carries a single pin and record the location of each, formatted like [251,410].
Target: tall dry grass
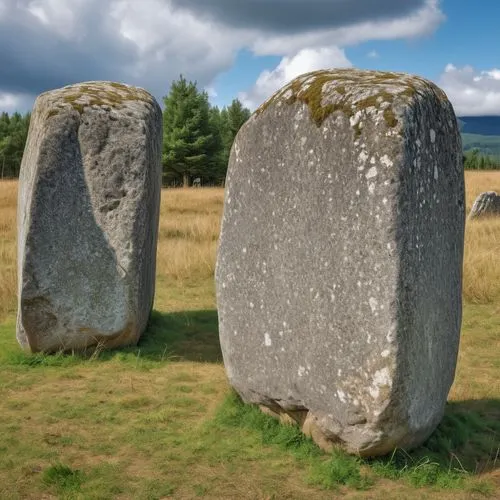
[189,228]
[481,281]
[8,271]
[188,233]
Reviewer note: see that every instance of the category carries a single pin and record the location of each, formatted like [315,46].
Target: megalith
[88,209]
[338,273]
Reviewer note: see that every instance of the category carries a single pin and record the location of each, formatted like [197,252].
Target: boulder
[88,208]
[338,273]
[487,203]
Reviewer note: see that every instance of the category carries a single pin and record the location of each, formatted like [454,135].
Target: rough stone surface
[339,266]
[88,211]
[487,203]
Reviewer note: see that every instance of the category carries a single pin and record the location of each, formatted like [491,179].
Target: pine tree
[188,140]
[232,118]
[218,164]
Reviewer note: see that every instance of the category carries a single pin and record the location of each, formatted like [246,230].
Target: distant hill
[482,133]
[482,125]
[487,144]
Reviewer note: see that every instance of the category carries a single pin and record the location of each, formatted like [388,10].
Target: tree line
[475,160]
[13,134]
[197,138]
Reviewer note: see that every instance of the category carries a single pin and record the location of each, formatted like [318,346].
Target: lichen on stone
[352,91]
[101,94]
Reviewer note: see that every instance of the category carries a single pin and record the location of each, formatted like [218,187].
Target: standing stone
[89,193]
[339,265]
[487,203]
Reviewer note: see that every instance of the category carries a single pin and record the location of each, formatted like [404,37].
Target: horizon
[247,51]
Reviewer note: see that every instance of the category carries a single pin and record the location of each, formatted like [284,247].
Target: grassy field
[159,420]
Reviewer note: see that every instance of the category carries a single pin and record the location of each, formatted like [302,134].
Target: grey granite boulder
[89,193]
[339,265]
[487,203]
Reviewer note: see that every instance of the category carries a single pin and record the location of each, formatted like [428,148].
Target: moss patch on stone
[109,94]
[378,90]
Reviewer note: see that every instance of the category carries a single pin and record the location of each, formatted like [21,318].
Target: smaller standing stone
[487,203]
[88,209]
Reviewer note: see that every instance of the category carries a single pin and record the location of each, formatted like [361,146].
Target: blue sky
[247,48]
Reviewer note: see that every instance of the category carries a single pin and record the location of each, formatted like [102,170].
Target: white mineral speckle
[267,340]
[386,161]
[433,135]
[341,395]
[385,353]
[371,187]
[436,173]
[301,371]
[363,156]
[244,250]
[382,377]
[353,120]
[371,173]
[251,305]
[373,304]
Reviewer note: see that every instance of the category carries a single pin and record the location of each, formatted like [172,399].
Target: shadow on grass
[176,336]
[186,335]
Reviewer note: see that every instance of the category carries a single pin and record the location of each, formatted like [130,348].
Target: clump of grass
[340,470]
[63,478]
[449,458]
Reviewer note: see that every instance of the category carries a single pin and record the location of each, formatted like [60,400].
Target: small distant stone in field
[487,203]
[88,208]
[339,264]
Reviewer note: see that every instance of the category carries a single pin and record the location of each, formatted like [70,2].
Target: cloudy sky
[247,48]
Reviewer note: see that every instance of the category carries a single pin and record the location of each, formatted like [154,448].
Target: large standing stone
[88,213]
[339,265]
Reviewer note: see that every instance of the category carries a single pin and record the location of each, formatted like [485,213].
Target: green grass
[158,420]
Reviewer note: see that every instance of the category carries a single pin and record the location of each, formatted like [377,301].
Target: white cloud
[472,92]
[323,47]
[373,54]
[290,67]
[59,16]
[14,102]
[51,43]
[421,22]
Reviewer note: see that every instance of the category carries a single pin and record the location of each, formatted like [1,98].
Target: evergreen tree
[13,135]
[188,140]
[237,115]
[218,164]
[232,118]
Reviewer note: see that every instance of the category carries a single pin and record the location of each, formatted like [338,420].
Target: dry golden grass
[8,271]
[481,282]
[189,228]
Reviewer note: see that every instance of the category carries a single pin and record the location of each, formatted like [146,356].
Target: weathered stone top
[354,93]
[106,95]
